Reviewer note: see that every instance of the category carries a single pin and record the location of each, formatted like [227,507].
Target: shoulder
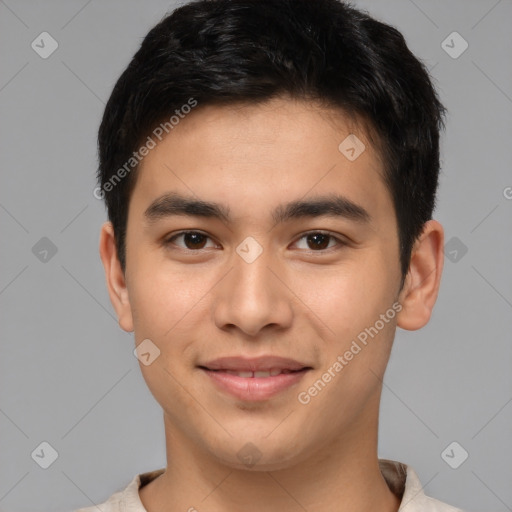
[127,499]
[404,482]
[415,500]
[113,504]
[427,504]
[116,501]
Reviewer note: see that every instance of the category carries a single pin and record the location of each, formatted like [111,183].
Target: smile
[254,379]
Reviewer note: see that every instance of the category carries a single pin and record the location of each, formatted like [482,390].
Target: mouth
[254,379]
[261,374]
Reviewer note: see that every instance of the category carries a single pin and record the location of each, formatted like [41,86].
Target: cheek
[349,297]
[167,307]
[163,296]
[350,300]
[170,306]
[357,346]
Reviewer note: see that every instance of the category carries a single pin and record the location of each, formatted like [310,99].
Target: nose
[251,298]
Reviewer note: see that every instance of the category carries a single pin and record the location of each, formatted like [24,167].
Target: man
[270,171]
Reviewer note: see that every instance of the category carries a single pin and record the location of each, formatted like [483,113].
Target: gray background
[68,374]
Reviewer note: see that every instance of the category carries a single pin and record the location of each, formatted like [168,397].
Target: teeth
[240,374]
[259,374]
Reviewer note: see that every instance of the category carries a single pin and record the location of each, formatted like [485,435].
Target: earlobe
[115,278]
[421,287]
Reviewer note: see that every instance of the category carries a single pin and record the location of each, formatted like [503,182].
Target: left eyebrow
[331,206]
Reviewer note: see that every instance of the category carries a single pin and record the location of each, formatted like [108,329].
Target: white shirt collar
[401,479]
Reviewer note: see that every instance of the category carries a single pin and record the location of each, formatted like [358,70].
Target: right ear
[114,275]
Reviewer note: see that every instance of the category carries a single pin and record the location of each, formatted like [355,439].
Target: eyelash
[339,242]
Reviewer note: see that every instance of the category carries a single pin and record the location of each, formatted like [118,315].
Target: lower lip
[254,388]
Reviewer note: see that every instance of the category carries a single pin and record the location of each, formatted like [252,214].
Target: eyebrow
[338,206]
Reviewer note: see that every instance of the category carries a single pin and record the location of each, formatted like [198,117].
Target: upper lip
[263,363]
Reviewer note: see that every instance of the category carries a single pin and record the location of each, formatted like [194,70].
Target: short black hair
[221,52]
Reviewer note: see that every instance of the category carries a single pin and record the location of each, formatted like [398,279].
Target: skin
[295,300]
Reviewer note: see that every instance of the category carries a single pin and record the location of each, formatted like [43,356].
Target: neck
[342,477]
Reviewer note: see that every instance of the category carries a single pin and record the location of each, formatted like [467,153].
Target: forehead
[254,156]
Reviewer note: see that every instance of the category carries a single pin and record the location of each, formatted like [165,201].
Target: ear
[114,275]
[423,279]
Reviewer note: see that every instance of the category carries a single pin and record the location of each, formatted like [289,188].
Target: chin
[257,454]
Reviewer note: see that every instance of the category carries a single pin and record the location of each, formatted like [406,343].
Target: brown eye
[191,240]
[194,240]
[317,241]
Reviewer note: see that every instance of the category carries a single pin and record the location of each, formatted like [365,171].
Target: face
[263,265]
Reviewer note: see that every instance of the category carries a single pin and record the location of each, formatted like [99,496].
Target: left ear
[421,286]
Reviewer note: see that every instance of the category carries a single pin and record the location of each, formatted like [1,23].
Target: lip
[254,388]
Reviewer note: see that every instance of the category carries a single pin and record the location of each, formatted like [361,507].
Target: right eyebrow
[176,204]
